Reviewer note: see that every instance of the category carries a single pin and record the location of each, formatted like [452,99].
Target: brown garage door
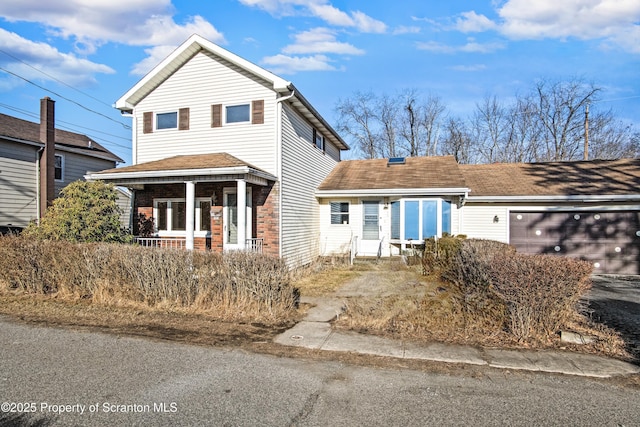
[610,240]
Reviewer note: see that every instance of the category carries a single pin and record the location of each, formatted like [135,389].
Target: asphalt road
[109,380]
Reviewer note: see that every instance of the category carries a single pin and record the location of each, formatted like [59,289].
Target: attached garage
[608,239]
[585,209]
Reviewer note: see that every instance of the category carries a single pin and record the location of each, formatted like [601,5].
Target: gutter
[180,172]
[385,192]
[567,198]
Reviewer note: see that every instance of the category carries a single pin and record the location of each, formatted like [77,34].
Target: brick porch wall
[265,219]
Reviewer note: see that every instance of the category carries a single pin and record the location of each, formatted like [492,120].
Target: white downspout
[279,162]
[190,209]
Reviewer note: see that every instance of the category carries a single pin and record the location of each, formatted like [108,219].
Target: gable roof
[553,179]
[194,44]
[416,176]
[24,131]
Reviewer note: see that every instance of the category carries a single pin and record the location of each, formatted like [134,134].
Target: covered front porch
[205,202]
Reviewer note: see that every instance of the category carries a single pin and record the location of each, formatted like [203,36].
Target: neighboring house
[27,185]
[226,155]
[587,209]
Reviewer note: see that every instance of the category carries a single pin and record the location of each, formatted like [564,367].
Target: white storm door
[230,219]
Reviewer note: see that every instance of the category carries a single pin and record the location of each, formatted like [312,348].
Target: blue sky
[87,53]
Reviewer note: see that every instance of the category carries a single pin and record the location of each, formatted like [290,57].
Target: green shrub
[84,212]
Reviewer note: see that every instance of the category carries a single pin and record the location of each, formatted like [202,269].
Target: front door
[230,219]
[370,243]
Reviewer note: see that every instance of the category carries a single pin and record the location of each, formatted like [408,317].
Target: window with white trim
[339,212]
[419,219]
[318,140]
[167,120]
[59,168]
[171,215]
[237,113]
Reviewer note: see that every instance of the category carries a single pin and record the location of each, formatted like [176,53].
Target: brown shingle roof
[25,130]
[596,177]
[188,162]
[376,174]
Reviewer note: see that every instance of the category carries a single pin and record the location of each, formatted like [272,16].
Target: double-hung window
[171,216]
[419,219]
[339,212]
[58,168]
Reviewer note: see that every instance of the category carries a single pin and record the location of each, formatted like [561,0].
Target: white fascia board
[177,58]
[393,192]
[569,198]
[181,172]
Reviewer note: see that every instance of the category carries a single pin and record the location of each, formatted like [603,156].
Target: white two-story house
[226,155]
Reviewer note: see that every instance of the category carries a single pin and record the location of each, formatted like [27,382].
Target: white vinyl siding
[17,184]
[335,239]
[304,167]
[478,222]
[204,81]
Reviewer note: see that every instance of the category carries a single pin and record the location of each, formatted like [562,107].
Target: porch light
[496,219]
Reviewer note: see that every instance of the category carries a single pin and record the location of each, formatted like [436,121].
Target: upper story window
[59,164]
[252,112]
[318,140]
[167,120]
[237,113]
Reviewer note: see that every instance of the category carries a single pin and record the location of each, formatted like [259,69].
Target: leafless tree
[410,121]
[560,111]
[387,110]
[458,141]
[433,112]
[357,118]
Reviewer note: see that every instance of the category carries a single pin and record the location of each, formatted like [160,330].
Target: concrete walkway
[315,332]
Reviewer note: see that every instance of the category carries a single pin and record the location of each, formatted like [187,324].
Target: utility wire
[54,78]
[65,98]
[72,127]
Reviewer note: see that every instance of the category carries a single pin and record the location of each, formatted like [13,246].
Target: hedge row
[153,276]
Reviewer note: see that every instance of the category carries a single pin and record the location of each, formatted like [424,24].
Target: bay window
[419,219]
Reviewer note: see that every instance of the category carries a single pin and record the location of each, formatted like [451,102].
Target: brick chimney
[47,157]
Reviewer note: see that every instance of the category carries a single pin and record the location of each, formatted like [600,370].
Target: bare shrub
[439,253]
[238,285]
[541,292]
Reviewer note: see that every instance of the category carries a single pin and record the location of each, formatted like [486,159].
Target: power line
[65,98]
[72,127]
[54,78]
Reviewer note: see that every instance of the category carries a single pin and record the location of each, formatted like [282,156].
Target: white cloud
[63,66]
[470,47]
[406,30]
[284,64]
[91,23]
[320,9]
[471,22]
[320,40]
[614,21]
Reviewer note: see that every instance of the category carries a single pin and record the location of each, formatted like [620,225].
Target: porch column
[190,211]
[242,213]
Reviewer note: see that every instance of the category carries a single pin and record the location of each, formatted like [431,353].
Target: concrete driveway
[615,301]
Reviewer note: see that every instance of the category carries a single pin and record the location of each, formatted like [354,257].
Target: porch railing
[160,242]
[254,245]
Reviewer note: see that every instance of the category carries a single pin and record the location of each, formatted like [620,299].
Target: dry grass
[411,307]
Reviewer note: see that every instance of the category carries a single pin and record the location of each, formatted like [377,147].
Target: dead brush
[238,285]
